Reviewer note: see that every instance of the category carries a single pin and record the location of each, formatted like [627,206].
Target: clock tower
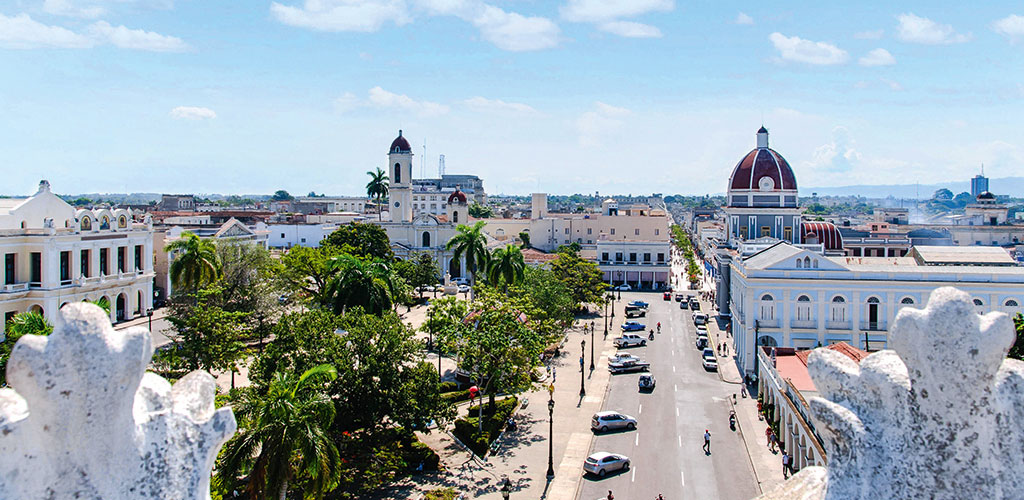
[400,176]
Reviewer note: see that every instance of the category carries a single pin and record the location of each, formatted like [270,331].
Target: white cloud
[838,155]
[342,15]
[917,29]
[515,32]
[877,57]
[383,99]
[136,39]
[596,126]
[807,51]
[1011,26]
[347,102]
[482,104]
[68,8]
[609,10]
[630,29]
[743,18]
[869,35]
[193,113]
[22,32]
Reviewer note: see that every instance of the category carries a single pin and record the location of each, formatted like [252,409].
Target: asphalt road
[666,449]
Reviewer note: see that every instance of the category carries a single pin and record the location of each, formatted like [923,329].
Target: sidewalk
[522,455]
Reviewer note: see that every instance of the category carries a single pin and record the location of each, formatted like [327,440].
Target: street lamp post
[606,316]
[591,348]
[583,347]
[551,431]
[149,314]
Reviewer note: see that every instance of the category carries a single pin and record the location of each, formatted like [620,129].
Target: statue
[937,417]
[85,421]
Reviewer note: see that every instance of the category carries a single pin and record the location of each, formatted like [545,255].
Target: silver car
[602,462]
[607,420]
[621,356]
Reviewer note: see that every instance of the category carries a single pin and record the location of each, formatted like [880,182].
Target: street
[665,451]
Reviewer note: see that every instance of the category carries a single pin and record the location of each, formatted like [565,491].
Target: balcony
[14,287]
[837,325]
[872,326]
[806,324]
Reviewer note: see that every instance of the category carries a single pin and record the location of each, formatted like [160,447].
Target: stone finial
[85,420]
[937,417]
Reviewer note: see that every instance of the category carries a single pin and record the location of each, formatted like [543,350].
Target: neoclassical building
[761,199]
[54,254]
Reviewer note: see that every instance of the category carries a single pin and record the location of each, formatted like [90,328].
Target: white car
[463,288]
[621,356]
[699,318]
[624,288]
[607,420]
[709,364]
[630,340]
[602,462]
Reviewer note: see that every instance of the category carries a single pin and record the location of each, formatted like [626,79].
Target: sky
[559,96]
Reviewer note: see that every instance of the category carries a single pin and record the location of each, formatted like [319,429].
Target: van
[700,318]
[635,311]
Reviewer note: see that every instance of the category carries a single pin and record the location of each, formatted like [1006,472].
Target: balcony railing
[803,323]
[837,325]
[872,326]
[14,287]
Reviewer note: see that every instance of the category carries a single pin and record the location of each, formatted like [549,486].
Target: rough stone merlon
[84,420]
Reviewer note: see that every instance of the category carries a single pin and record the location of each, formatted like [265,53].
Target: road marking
[633,479]
[637,441]
[682,478]
[673,368]
[640,410]
[680,438]
[675,387]
[677,411]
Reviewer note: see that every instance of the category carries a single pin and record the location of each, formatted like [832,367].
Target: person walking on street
[767,432]
[610,496]
[707,442]
[774,441]
[760,411]
[785,465]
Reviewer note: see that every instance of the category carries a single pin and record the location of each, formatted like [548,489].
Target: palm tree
[196,262]
[372,285]
[506,263]
[23,323]
[377,188]
[283,436]
[471,243]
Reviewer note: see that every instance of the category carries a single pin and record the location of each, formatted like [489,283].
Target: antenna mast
[423,160]
[440,167]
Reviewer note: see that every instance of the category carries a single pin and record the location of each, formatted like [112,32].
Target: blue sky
[627,96]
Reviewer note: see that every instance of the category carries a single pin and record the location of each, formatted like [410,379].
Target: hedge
[494,422]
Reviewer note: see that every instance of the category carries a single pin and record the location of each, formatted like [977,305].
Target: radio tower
[440,167]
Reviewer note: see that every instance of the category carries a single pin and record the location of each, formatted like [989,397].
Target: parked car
[667,296]
[683,304]
[680,296]
[621,356]
[699,318]
[460,281]
[646,382]
[633,326]
[605,421]
[628,366]
[630,340]
[624,288]
[639,303]
[602,462]
[635,312]
[702,340]
[709,364]
[463,288]
[695,304]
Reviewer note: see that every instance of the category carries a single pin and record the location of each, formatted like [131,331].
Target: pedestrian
[767,431]
[760,411]
[785,465]
[775,441]
[610,496]
[707,442]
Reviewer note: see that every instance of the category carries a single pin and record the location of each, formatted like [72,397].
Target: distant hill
[1011,186]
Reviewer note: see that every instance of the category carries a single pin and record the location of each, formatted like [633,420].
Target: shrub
[494,422]
[441,494]
[456,396]
[447,386]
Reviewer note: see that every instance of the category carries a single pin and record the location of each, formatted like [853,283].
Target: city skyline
[179,96]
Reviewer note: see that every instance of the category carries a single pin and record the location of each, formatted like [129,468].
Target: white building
[642,264]
[790,296]
[54,254]
[298,235]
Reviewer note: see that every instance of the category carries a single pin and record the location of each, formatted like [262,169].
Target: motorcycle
[732,420]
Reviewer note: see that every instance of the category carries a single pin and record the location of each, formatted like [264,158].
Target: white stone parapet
[85,421]
[937,417]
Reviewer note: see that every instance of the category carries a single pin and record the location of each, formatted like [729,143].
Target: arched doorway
[454,269]
[121,307]
[426,239]
[767,341]
[38,309]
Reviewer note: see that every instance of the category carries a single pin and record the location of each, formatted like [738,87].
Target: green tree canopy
[1017,350]
[281,195]
[308,271]
[470,243]
[377,188]
[195,262]
[24,323]
[362,240]
[283,436]
[480,211]
[582,278]
[371,285]
[942,194]
[524,236]
[205,336]
[418,270]
[506,266]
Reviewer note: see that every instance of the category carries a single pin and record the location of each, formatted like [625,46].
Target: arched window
[807,262]
[907,301]
[978,302]
[767,297]
[398,173]
[426,239]
[455,216]
[86,224]
[799,263]
[767,308]
[1011,303]
[838,299]
[803,308]
[105,223]
[23,224]
[815,263]
[873,300]
[838,309]
[803,298]
[122,222]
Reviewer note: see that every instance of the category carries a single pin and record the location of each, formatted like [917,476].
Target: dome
[400,145]
[762,169]
[457,195]
[986,196]
[821,232]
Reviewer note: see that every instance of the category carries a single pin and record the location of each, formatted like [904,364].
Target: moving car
[683,304]
[639,303]
[621,356]
[667,296]
[700,318]
[633,326]
[646,382]
[630,340]
[635,311]
[695,304]
[680,296]
[602,462]
[605,421]
[628,366]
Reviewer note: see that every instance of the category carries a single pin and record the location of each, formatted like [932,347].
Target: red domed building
[762,196]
